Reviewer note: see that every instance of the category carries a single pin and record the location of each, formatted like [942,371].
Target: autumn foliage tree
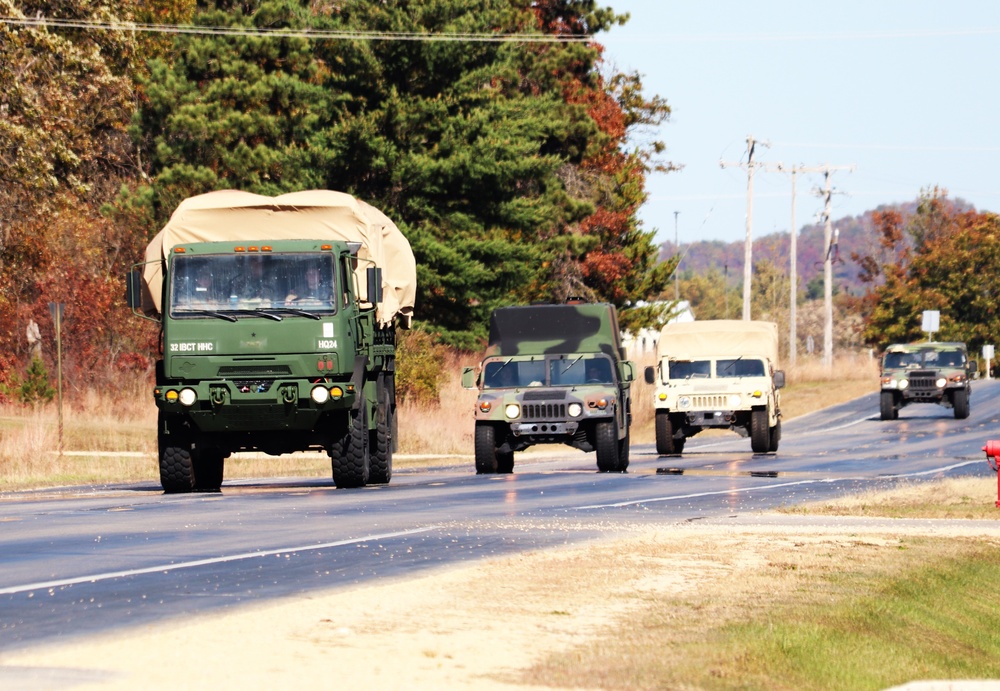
[938,259]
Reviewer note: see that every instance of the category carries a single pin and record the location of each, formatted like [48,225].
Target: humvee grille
[544,411]
[923,383]
[714,401]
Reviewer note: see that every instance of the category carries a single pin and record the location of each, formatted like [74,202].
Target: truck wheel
[176,469]
[887,406]
[208,470]
[960,399]
[380,441]
[349,457]
[774,437]
[606,445]
[760,435]
[486,449]
[505,462]
[174,445]
[665,443]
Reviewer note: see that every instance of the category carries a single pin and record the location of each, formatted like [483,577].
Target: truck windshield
[293,283]
[505,374]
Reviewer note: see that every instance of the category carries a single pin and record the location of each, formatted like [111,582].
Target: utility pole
[748,249]
[829,246]
[677,248]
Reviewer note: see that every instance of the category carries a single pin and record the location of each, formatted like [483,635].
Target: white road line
[203,562]
[676,497]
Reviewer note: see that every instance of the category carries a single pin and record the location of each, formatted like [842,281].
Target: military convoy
[717,374]
[278,323]
[552,374]
[932,372]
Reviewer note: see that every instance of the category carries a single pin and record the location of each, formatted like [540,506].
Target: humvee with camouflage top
[926,373]
[552,374]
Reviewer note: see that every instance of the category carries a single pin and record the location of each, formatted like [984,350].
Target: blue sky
[907,91]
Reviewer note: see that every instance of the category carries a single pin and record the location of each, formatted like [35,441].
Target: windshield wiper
[571,364]
[290,310]
[211,313]
[732,364]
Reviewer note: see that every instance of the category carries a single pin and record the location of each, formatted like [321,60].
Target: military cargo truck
[717,374]
[926,373]
[552,374]
[278,319]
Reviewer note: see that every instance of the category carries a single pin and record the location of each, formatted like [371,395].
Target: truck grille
[254,370]
[923,380]
[544,411]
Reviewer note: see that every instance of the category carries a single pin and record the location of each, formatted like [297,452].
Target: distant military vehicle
[926,373]
[552,374]
[717,374]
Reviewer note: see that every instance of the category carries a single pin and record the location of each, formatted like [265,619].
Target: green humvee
[552,374]
[926,373]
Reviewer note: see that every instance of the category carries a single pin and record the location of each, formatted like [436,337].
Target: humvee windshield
[925,358]
[701,369]
[557,371]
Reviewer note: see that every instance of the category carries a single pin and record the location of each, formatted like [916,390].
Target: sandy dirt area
[473,626]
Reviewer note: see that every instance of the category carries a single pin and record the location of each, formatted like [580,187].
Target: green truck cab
[278,320]
[930,372]
[552,374]
[717,374]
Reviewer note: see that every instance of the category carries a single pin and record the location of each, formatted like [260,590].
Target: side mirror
[374,276]
[779,379]
[133,289]
[650,375]
[627,371]
[469,378]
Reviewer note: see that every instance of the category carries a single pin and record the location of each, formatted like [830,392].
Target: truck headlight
[941,382]
[512,411]
[684,402]
[903,383]
[187,396]
[735,401]
[574,409]
[320,394]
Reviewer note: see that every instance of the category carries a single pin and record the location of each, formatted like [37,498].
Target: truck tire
[208,470]
[174,445]
[665,443]
[774,437]
[960,399]
[606,445]
[760,434]
[349,457]
[887,406]
[176,469]
[486,449]
[380,441]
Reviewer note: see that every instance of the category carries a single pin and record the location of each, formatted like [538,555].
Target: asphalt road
[83,560]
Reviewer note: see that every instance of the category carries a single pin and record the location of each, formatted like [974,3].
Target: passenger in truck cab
[313,290]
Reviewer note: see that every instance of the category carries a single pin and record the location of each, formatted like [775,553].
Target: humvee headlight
[574,409]
[941,382]
[320,394]
[684,402]
[187,396]
[512,411]
[735,401]
[903,383]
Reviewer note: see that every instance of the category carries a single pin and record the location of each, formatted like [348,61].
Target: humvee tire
[665,443]
[760,434]
[486,449]
[606,445]
[960,401]
[887,406]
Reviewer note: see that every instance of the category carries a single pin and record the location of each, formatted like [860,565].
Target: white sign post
[931,323]
[988,356]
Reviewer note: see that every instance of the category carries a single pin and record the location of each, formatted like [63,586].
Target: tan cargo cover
[307,215]
[718,338]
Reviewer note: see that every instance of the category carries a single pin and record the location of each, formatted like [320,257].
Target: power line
[310,34]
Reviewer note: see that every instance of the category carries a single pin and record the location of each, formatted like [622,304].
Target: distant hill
[854,234]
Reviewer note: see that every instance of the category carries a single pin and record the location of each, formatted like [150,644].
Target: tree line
[507,164]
